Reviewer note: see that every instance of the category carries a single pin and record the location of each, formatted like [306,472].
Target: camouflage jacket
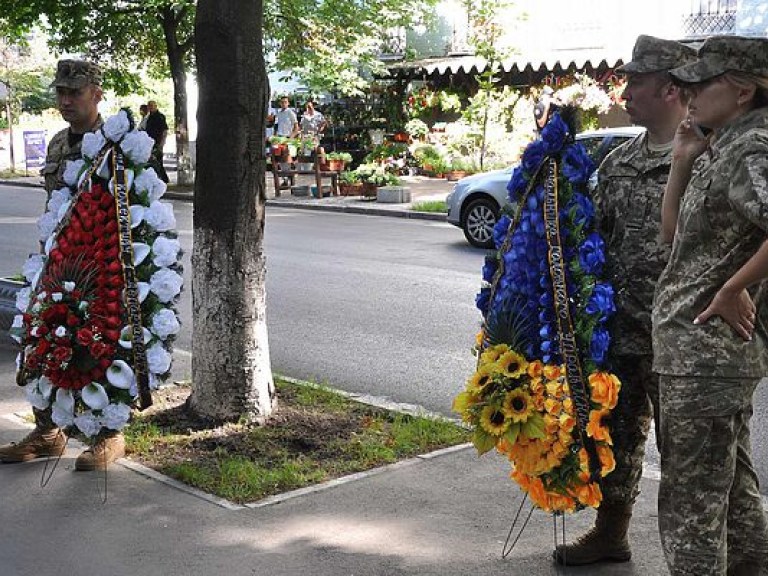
[631,183]
[723,221]
[59,151]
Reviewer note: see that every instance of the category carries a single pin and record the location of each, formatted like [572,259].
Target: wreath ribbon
[568,347]
[132,301]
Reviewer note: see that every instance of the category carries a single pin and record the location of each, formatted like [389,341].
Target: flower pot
[369,190]
[304,166]
[336,165]
[393,194]
[454,175]
[353,189]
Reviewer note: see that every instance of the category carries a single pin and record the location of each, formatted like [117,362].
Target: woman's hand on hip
[736,308]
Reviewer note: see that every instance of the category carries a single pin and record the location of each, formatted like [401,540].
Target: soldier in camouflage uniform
[631,184]
[709,318]
[78,92]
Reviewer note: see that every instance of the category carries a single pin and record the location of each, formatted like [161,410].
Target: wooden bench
[284,170]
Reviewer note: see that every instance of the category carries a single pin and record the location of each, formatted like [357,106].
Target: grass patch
[7,174]
[316,435]
[430,206]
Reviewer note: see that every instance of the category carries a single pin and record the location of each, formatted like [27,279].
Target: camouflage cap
[76,74]
[720,54]
[652,54]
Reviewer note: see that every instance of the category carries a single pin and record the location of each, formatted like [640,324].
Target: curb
[189,197]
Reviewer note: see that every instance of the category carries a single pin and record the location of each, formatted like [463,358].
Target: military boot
[605,542]
[107,449]
[39,443]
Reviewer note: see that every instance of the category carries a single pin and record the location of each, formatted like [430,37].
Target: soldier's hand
[690,142]
[736,308]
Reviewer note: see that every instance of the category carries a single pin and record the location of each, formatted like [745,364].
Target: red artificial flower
[72,320]
[62,354]
[98,350]
[43,346]
[84,336]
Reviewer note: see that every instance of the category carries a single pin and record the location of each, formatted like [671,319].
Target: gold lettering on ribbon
[131,293]
[568,347]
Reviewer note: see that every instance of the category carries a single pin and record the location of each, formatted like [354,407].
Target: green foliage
[438,206]
[376,174]
[387,150]
[346,157]
[416,127]
[349,177]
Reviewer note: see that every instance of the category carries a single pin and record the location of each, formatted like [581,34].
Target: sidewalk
[446,515]
[422,189]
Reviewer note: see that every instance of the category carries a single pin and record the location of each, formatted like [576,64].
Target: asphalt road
[369,304]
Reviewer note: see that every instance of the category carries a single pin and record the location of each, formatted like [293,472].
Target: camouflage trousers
[630,422]
[711,517]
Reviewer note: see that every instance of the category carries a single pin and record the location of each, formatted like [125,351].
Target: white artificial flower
[58,197]
[115,416]
[117,126]
[137,215]
[166,251]
[63,408]
[165,323]
[18,322]
[57,296]
[166,284]
[160,216]
[72,172]
[94,396]
[150,182]
[158,359]
[143,291]
[34,397]
[49,245]
[120,375]
[92,144]
[88,424]
[128,181]
[35,332]
[126,337]
[32,266]
[22,299]
[102,171]
[69,286]
[60,332]
[137,146]
[140,252]
[154,382]
[63,209]
[83,306]
[46,224]
[45,386]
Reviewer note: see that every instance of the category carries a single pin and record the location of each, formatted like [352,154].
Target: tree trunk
[231,372]
[170,22]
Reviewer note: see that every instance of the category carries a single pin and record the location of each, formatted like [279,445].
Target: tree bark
[231,372]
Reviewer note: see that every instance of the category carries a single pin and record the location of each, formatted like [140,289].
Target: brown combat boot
[40,443]
[605,542]
[106,450]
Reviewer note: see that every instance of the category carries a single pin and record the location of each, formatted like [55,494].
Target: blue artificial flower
[592,254]
[577,165]
[581,210]
[598,347]
[601,301]
[554,134]
[517,184]
[533,155]
[490,267]
[482,299]
[500,230]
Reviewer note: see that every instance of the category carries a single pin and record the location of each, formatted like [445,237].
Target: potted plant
[459,168]
[439,167]
[372,176]
[337,160]
[279,145]
[350,184]
[417,128]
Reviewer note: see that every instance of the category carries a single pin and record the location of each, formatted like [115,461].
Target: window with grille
[708,17]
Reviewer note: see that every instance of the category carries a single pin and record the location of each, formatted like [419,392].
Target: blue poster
[34,149]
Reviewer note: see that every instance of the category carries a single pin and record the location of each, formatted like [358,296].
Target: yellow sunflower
[493,420]
[511,364]
[518,405]
[480,379]
[490,355]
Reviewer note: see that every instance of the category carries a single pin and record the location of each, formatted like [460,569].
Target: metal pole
[9,115]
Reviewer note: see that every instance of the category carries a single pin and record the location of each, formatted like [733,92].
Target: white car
[475,202]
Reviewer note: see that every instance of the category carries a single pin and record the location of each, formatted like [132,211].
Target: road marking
[17,220]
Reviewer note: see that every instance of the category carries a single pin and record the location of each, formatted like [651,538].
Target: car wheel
[479,219]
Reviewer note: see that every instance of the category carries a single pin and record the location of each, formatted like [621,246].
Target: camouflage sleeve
[748,193]
[604,212]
